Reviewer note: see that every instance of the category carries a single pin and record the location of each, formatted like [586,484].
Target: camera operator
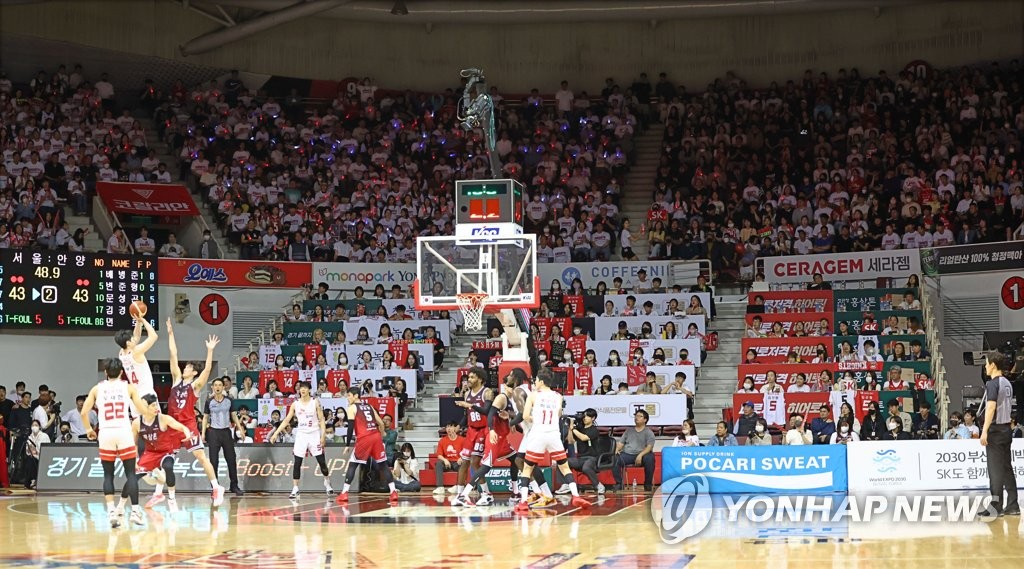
[583,433]
[926,425]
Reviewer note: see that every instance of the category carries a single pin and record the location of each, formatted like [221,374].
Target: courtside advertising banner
[347,276]
[592,273]
[760,469]
[619,410]
[1002,256]
[866,265]
[792,301]
[219,273]
[776,350]
[924,465]
[147,199]
[673,349]
[76,467]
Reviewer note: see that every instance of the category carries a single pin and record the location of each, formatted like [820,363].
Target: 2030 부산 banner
[76,467]
[901,466]
[147,199]
[900,263]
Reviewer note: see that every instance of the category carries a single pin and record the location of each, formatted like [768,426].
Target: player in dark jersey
[186,384]
[500,419]
[366,426]
[477,404]
[162,436]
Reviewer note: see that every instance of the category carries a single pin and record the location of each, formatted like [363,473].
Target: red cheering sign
[776,350]
[810,323]
[147,199]
[792,301]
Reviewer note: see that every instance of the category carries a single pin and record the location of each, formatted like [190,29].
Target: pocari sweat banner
[761,470]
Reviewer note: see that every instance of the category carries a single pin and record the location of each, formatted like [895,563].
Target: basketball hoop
[472,306]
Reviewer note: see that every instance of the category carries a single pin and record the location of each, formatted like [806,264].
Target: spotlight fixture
[399,9]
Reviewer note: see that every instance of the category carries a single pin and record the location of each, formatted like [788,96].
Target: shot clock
[488,208]
[54,290]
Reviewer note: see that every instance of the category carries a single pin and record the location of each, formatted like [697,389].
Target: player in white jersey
[544,411]
[539,485]
[133,355]
[111,398]
[310,436]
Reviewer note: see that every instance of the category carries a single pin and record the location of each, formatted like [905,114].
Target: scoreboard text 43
[59,290]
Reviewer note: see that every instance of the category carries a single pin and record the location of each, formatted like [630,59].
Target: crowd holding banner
[306,332]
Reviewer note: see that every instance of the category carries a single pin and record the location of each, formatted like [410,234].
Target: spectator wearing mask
[687,435]
[956,429]
[760,435]
[894,430]
[873,426]
[748,385]
[894,411]
[36,439]
[447,456]
[845,433]
[406,470]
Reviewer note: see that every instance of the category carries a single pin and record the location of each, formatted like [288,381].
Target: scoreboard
[56,290]
[488,208]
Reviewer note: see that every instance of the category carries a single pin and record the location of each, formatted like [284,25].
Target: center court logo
[681,508]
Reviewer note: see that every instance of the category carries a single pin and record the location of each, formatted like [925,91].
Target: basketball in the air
[137,309]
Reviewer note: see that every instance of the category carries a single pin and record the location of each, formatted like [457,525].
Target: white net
[472,307]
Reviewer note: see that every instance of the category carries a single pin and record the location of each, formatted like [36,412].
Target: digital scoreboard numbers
[489,201]
[74,291]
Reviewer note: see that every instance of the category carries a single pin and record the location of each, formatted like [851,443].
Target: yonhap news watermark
[684,507]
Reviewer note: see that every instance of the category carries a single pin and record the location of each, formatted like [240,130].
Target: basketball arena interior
[511,283]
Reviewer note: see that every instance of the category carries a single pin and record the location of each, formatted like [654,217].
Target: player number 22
[113,410]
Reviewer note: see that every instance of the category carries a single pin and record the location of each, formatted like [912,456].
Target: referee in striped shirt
[996,436]
[219,423]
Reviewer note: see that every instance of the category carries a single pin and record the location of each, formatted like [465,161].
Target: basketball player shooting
[112,397]
[477,405]
[310,436]
[496,445]
[366,425]
[186,384]
[162,438]
[543,412]
[133,354]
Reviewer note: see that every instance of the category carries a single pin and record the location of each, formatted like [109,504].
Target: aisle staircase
[716,382]
[638,187]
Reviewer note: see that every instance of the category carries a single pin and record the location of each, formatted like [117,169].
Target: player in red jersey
[162,437]
[112,398]
[365,423]
[500,419]
[477,404]
[186,384]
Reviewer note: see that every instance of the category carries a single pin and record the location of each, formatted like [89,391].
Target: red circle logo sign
[1013,293]
[213,309]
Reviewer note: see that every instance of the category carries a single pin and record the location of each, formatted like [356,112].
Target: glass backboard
[504,268]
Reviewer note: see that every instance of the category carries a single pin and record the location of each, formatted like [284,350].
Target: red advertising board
[775,350]
[218,273]
[785,374]
[147,199]
[793,301]
[811,323]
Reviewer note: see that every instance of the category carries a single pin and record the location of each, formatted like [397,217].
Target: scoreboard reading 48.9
[74,291]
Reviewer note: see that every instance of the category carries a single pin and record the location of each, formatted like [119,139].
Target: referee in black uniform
[996,435]
[219,423]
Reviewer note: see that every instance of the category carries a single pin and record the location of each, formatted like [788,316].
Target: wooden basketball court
[65,531]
